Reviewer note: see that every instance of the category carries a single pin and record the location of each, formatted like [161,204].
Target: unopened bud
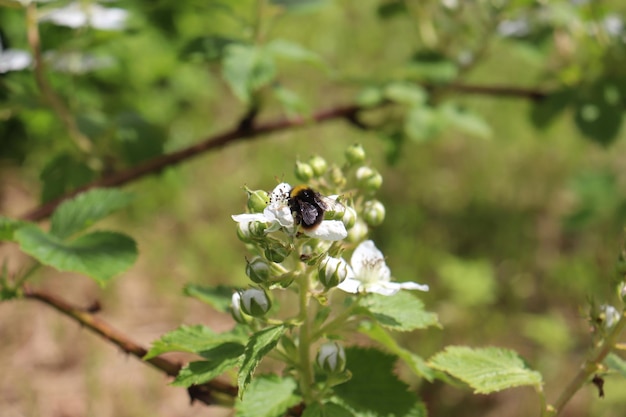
[319,165]
[337,177]
[258,270]
[358,232]
[368,179]
[276,252]
[235,310]
[255,302]
[248,231]
[303,171]
[349,217]
[355,154]
[257,200]
[333,271]
[331,358]
[374,213]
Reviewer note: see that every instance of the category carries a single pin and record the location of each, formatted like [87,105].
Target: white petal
[410,285]
[329,230]
[367,259]
[350,285]
[249,217]
[280,214]
[14,60]
[386,288]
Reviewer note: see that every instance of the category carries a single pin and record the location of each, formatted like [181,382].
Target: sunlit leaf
[268,396]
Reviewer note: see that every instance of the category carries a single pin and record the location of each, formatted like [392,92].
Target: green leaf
[391,9]
[544,111]
[299,5]
[465,121]
[402,311]
[219,297]
[63,174]
[268,396]
[615,363]
[413,361]
[193,339]
[291,102]
[208,48]
[370,96]
[599,112]
[100,255]
[139,140]
[374,389]
[8,227]
[247,68]
[259,345]
[328,409]
[82,211]
[221,358]
[423,123]
[405,93]
[431,66]
[486,370]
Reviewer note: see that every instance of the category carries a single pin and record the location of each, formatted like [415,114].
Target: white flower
[611,314]
[277,215]
[14,60]
[370,273]
[76,15]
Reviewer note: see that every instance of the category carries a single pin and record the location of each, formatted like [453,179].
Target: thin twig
[245,131]
[95,324]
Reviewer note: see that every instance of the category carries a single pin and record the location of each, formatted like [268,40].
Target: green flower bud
[257,200]
[319,165]
[276,252]
[374,213]
[331,358]
[255,302]
[258,270]
[248,231]
[355,154]
[358,232]
[337,177]
[333,271]
[368,179]
[303,171]
[235,310]
[349,217]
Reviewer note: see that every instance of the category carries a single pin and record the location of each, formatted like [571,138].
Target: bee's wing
[309,212]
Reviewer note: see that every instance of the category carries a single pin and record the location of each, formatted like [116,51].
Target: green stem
[304,342]
[587,369]
[338,321]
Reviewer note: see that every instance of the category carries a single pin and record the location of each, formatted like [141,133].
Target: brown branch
[245,131]
[84,317]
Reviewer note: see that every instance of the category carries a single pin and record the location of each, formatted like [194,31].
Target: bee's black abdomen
[306,206]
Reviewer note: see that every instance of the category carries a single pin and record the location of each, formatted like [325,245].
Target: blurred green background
[511,210]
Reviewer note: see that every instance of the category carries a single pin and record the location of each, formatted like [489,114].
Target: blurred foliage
[512,209]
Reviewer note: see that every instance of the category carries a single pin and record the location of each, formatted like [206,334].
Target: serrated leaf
[99,255]
[401,312]
[259,345]
[84,210]
[413,361]
[374,389]
[616,363]
[486,370]
[247,68]
[268,396]
[8,227]
[329,409]
[221,358]
[219,297]
[62,174]
[193,339]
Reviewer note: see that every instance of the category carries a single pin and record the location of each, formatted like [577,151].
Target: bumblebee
[308,206]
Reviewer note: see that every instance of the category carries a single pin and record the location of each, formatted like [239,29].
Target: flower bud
[257,200]
[304,172]
[258,270]
[368,179]
[337,177]
[358,232]
[235,309]
[355,154]
[276,252]
[349,217]
[248,231]
[255,302]
[373,213]
[610,315]
[331,358]
[333,271]
[319,165]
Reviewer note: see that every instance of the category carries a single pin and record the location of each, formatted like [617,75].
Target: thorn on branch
[598,381]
